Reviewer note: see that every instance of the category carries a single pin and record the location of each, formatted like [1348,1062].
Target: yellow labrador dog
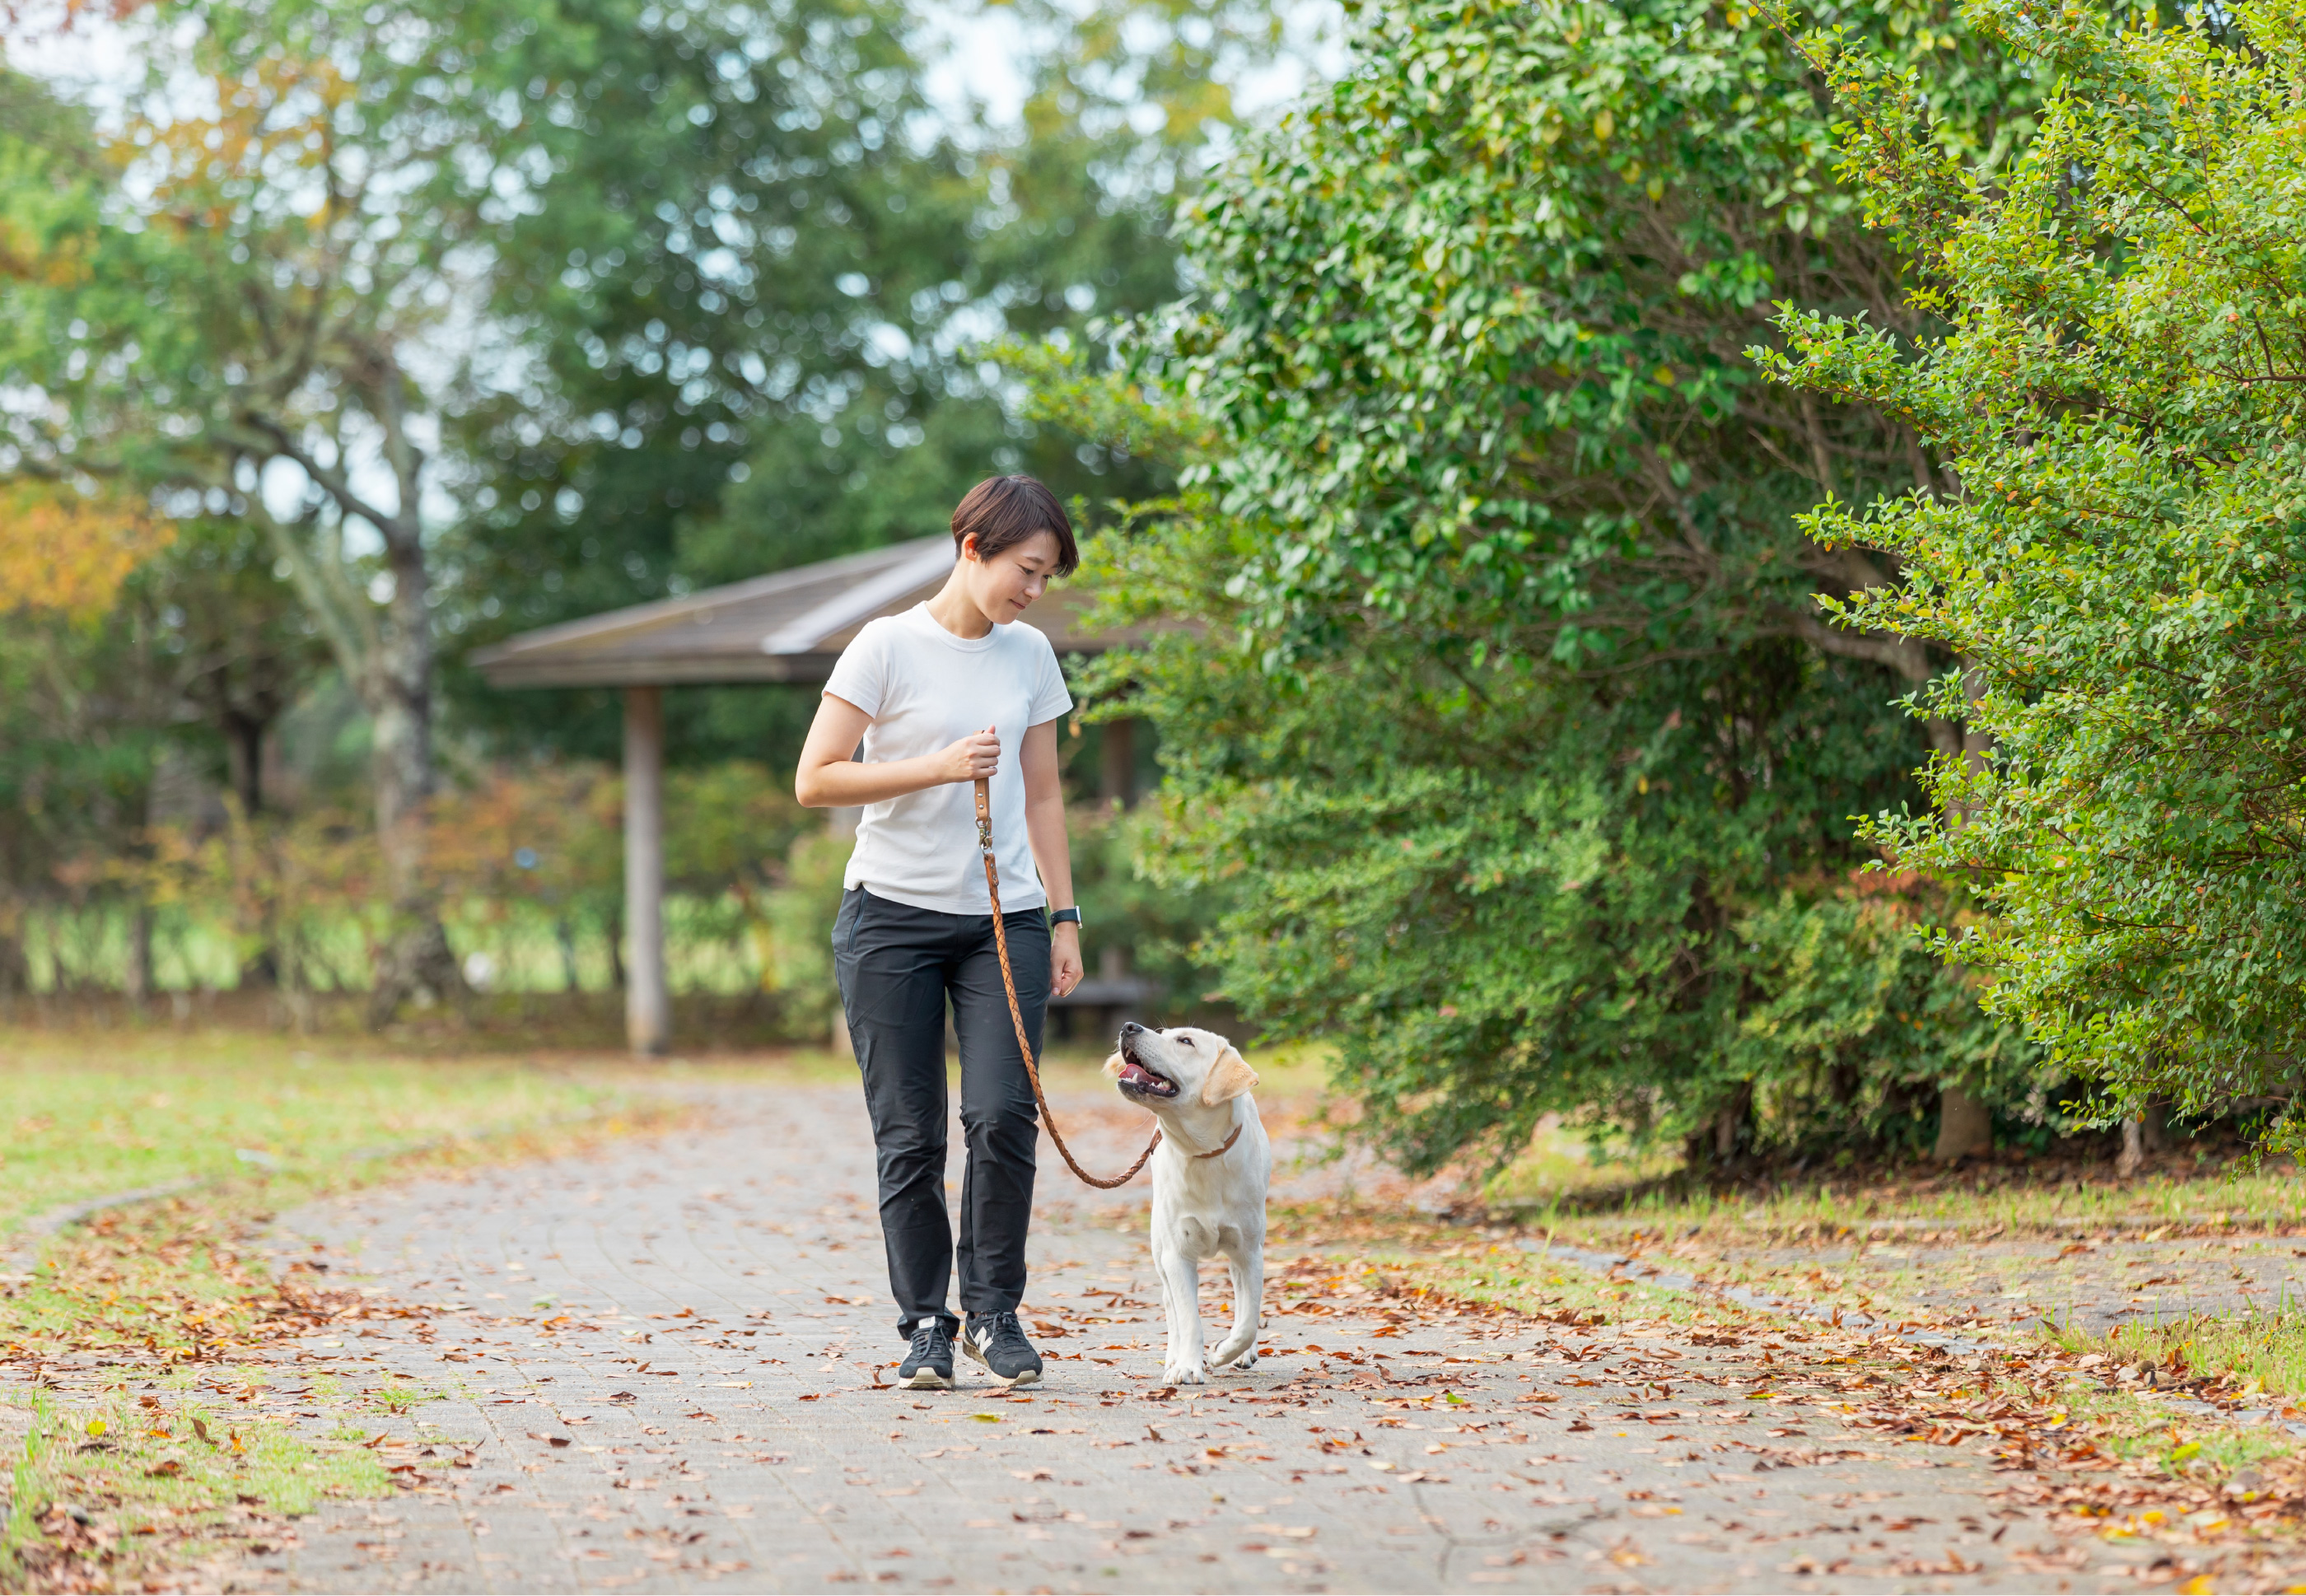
[1209,1179]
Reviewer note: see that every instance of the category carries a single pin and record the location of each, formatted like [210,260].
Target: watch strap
[1062,916]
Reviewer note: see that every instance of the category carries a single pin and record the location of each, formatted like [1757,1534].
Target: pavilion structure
[787,628]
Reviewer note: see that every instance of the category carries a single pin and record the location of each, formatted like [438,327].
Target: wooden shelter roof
[786,627]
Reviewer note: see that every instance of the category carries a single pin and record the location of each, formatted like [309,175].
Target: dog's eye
[1187,1040]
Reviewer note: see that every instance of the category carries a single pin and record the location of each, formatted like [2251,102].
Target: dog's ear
[1229,1077]
[1113,1066]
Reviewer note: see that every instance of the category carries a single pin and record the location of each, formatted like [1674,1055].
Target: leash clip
[985,835]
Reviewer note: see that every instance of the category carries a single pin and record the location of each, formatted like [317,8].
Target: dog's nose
[1132,1029]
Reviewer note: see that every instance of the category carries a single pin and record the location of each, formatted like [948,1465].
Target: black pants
[897,966]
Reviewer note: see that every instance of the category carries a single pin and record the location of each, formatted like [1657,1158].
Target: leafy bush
[1857,1025]
[1503,709]
[2117,564]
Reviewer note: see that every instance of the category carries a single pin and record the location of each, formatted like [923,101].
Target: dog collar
[1226,1147]
[1223,1150]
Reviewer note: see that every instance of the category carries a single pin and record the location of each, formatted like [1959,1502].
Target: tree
[68,550]
[67,539]
[237,327]
[2117,547]
[238,649]
[819,386]
[1511,691]
[289,302]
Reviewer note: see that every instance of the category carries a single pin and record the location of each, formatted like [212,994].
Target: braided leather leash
[1017,1018]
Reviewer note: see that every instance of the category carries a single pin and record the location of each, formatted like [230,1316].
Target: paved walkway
[667,1365]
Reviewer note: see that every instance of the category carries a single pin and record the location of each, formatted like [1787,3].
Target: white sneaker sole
[926,1380]
[1032,1376]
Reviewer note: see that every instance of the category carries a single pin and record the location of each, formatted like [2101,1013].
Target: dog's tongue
[1138,1074]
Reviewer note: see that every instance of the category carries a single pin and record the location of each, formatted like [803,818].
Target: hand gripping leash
[1016,1017]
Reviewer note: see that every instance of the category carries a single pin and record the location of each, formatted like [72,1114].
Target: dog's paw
[1184,1374]
[1228,1355]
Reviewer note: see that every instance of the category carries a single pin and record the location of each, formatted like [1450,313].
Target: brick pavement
[662,1363]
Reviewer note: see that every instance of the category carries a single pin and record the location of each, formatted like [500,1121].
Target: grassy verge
[95,1112]
[2121,1454]
[1525,1283]
[2245,1355]
[112,1487]
[158,1430]
[1921,1202]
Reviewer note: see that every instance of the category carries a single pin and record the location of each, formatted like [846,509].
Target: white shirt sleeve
[860,674]
[1050,698]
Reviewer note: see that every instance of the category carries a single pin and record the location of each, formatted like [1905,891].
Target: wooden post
[648,1016]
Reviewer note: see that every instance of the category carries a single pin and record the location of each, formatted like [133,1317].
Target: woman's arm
[830,778]
[1044,831]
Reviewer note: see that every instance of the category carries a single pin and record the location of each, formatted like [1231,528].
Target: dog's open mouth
[1136,1078]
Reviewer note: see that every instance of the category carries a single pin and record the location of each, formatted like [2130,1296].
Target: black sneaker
[997,1341]
[928,1365]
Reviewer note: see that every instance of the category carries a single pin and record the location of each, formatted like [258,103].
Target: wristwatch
[1061,916]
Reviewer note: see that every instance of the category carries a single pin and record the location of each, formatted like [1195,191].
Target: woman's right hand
[973,758]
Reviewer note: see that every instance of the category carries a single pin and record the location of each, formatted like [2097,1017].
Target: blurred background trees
[410,331]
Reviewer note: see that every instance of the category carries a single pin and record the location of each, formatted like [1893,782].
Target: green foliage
[1855,1025]
[2115,558]
[755,314]
[1503,709]
[1476,321]
[1496,926]
[795,934]
[1151,926]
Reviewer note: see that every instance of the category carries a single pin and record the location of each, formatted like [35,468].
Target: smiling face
[1005,585]
[1160,1070]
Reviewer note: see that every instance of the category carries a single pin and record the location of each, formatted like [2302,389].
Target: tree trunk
[1965,1126]
[389,663]
[1117,763]
[137,979]
[1728,1119]
[1713,1144]
[244,746]
[417,965]
[565,935]
[2141,1138]
[15,968]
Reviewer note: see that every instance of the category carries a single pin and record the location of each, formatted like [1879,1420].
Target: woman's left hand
[1064,959]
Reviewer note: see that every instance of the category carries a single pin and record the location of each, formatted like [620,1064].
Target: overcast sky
[973,50]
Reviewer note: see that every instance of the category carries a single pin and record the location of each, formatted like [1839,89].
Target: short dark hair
[1003,511]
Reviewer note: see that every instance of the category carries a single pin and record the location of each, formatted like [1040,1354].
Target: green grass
[144,1468]
[1924,1203]
[171,1295]
[2250,1353]
[1558,1168]
[85,1114]
[2136,1429]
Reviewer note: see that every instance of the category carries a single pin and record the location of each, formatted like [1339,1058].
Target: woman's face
[1005,585]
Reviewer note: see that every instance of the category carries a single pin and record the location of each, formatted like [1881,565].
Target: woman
[953,691]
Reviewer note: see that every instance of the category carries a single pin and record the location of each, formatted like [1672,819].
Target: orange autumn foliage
[68,551]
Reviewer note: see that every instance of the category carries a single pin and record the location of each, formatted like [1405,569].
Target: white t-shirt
[925,689]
